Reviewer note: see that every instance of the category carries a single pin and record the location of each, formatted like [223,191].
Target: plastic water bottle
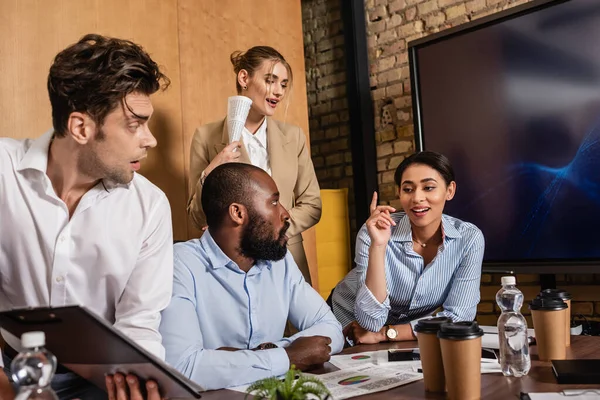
[33,368]
[512,330]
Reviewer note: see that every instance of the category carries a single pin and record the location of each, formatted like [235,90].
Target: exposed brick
[340,145]
[435,19]
[386,135]
[376,27]
[331,133]
[394,90]
[527,278]
[348,170]
[336,172]
[446,3]
[378,94]
[396,204]
[389,76]
[456,11]
[410,13]
[394,21]
[384,63]
[475,6]
[394,162]
[485,307]
[377,13]
[402,146]
[334,159]
[585,308]
[388,176]
[382,164]
[427,7]
[396,5]
[387,191]
[385,149]
[387,36]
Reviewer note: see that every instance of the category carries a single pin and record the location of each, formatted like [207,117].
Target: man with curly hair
[78,225]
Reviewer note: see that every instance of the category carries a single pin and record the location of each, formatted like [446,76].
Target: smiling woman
[280,149]
[410,263]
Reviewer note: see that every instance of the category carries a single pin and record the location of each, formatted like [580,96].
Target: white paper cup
[238,108]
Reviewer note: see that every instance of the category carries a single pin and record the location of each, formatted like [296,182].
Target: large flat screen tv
[514,101]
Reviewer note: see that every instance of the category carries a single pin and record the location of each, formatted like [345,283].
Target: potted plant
[295,386]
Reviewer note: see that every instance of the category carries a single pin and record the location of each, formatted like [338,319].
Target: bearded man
[235,288]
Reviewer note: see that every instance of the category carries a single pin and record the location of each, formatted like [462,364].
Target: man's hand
[118,390]
[360,335]
[6,389]
[308,352]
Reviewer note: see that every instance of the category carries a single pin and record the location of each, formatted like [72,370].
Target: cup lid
[464,330]
[431,325]
[556,293]
[547,304]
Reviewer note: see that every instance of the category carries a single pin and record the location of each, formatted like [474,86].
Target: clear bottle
[33,368]
[512,330]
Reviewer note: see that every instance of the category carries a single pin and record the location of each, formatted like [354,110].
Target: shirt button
[60,278]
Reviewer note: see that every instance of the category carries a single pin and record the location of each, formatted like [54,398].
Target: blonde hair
[252,59]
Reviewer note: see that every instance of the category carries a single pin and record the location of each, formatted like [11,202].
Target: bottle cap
[508,280]
[556,294]
[431,325]
[460,331]
[30,340]
[547,304]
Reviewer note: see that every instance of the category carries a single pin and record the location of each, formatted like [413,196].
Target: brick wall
[328,107]
[391,24]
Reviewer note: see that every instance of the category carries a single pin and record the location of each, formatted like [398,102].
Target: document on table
[490,338]
[368,378]
[572,394]
[343,361]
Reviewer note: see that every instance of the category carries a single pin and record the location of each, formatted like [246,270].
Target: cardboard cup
[462,368]
[431,362]
[550,333]
[568,323]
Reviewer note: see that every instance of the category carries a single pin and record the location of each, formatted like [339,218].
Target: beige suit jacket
[291,168]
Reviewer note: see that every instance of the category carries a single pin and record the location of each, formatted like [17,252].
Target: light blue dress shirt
[216,304]
[451,280]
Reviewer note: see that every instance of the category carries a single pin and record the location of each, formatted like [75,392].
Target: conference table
[493,386]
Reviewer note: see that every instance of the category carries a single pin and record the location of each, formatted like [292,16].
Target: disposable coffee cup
[238,108]
[461,354]
[566,297]
[549,323]
[431,353]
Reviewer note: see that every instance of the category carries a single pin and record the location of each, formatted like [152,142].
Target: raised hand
[309,351]
[380,222]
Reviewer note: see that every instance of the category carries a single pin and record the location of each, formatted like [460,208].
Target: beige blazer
[291,168]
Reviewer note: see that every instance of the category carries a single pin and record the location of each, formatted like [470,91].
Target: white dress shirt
[114,255]
[256,146]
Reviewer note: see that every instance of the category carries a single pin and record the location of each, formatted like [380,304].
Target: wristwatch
[266,346]
[390,332]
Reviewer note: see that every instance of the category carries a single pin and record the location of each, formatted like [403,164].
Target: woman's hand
[360,335]
[379,223]
[231,153]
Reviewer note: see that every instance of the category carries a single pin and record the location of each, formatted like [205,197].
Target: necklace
[419,243]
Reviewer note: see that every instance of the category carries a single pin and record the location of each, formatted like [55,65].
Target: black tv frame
[546,268]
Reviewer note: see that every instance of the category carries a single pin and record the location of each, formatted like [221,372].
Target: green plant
[289,388]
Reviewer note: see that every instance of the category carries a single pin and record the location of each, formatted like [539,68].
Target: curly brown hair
[95,74]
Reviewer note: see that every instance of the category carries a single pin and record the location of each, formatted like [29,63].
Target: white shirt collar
[36,156]
[260,135]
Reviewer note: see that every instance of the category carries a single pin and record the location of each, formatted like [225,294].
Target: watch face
[391,333]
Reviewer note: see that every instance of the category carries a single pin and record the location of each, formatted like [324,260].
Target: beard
[257,240]
[91,164]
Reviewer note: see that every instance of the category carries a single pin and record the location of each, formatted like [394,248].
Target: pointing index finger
[373,206]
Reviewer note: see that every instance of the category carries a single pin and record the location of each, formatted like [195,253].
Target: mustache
[283,230]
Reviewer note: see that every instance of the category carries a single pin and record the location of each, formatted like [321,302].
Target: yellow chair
[333,240]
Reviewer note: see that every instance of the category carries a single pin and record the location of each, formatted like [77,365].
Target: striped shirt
[451,280]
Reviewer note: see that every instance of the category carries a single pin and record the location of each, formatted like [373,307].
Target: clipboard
[89,346]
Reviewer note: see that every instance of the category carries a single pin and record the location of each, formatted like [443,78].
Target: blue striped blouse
[451,279]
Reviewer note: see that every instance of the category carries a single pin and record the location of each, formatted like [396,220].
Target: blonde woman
[263,75]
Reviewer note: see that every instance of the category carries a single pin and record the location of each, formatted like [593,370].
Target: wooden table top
[493,386]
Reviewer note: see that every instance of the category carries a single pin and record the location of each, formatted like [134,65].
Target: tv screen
[514,102]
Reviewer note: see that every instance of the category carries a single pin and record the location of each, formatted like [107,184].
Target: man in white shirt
[77,224]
